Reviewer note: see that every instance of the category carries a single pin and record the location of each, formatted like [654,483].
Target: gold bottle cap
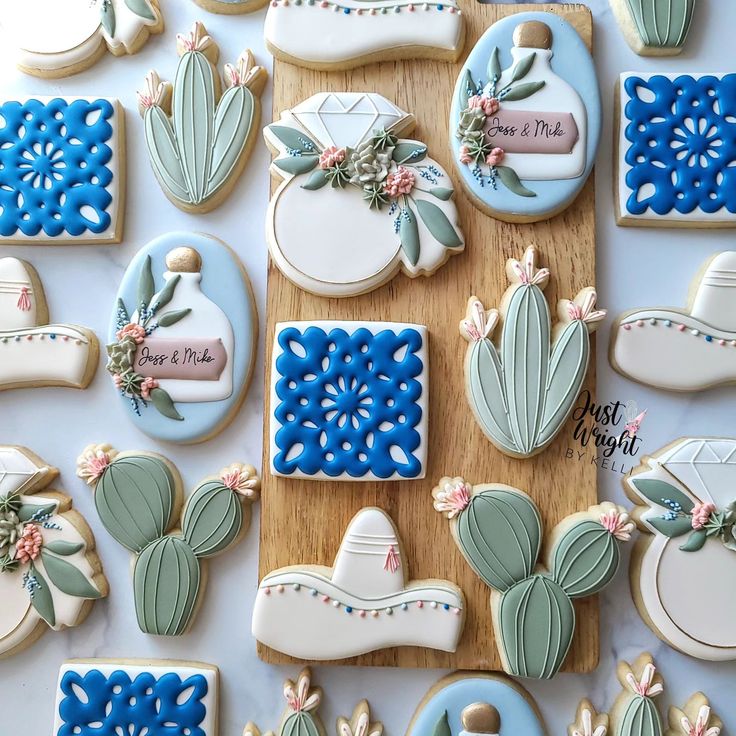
[183,260]
[481,718]
[533,35]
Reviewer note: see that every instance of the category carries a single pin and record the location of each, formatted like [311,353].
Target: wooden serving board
[303,521]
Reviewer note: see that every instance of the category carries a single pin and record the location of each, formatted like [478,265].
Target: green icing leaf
[171,318]
[659,491]
[316,181]
[123,311]
[695,541]
[438,224]
[41,598]
[409,152]
[107,17]
[522,91]
[409,236]
[442,193]
[510,179]
[29,510]
[466,90]
[494,65]
[146,285]
[140,7]
[297,164]
[162,401]
[67,578]
[522,68]
[442,727]
[294,140]
[167,293]
[60,547]
[671,527]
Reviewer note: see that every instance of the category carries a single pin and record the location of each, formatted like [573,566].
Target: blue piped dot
[404,607]
[446,606]
[440,7]
[348,609]
[667,323]
[313,591]
[346,11]
[708,338]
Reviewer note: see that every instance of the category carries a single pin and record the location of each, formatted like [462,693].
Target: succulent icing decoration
[137,496]
[198,138]
[523,386]
[498,529]
[108,19]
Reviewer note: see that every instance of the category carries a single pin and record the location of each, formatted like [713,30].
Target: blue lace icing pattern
[682,144]
[98,705]
[54,165]
[350,401]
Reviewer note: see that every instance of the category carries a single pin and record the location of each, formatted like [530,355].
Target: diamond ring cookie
[357,202]
[654,27]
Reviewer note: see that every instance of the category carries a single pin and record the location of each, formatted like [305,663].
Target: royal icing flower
[489,105]
[586,725]
[465,157]
[479,323]
[28,547]
[241,479]
[155,93]
[700,727]
[452,497]
[299,697]
[583,308]
[93,462]
[701,514]
[525,271]
[147,385]
[400,182]
[136,332]
[331,157]
[243,72]
[495,157]
[617,523]
[645,685]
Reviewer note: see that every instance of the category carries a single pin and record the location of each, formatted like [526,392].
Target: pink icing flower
[299,696]
[495,157]
[465,157]
[617,524]
[28,547]
[453,498]
[400,182]
[147,386]
[242,479]
[645,686]
[701,514]
[137,332]
[331,157]
[93,462]
[117,379]
[489,105]
[584,308]
[700,727]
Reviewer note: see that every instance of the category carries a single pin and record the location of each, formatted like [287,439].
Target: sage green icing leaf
[213,519]
[60,547]
[41,598]
[494,65]
[510,179]
[167,293]
[536,620]
[442,727]
[695,541]
[30,511]
[107,18]
[522,68]
[438,224]
[164,154]
[442,193]
[140,7]
[522,91]
[67,578]
[163,403]
[660,492]
[171,318]
[317,180]
[662,23]
[146,285]
[670,527]
[585,559]
[300,724]
[293,139]
[297,164]
[500,533]
[123,311]
[641,718]
[409,152]
[466,89]
[409,236]
[135,500]
[166,583]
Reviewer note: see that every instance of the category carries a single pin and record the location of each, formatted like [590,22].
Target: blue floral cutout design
[54,165]
[349,402]
[682,144]
[98,705]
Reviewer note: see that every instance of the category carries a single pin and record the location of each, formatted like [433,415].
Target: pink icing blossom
[645,686]
[452,499]
[526,270]
[28,547]
[700,727]
[154,94]
[586,311]
[331,157]
[465,157]
[299,696]
[93,463]
[137,332]
[495,157]
[479,324]
[489,105]
[117,379]
[400,182]
[241,479]
[701,514]
[618,524]
[147,386]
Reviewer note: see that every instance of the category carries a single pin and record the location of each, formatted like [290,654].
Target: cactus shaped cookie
[138,497]
[498,529]
[588,722]
[199,139]
[523,386]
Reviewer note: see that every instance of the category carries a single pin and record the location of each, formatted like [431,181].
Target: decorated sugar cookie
[526,118]
[675,153]
[112,697]
[588,722]
[32,351]
[183,337]
[685,498]
[50,574]
[231,7]
[342,34]
[654,27]
[499,532]
[58,38]
[523,384]
[357,202]
[199,140]
[62,170]
[363,603]
[683,349]
[138,496]
[695,717]
[360,411]
[476,704]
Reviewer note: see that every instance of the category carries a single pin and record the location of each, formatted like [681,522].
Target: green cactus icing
[662,23]
[212,519]
[523,390]
[641,719]
[636,711]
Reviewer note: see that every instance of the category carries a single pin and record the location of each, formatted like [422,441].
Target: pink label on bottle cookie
[198,359]
[527,131]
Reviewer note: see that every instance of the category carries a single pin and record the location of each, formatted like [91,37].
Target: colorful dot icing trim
[39,336]
[682,144]
[653,322]
[54,173]
[347,10]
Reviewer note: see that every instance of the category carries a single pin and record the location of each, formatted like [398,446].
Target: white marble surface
[636,267]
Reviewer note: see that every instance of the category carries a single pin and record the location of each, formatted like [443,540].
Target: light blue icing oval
[518,714]
[225,284]
[573,63]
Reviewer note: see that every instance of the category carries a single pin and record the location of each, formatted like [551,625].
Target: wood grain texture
[303,521]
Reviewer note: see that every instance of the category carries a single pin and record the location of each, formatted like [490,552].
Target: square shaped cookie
[62,172]
[676,150]
[349,400]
